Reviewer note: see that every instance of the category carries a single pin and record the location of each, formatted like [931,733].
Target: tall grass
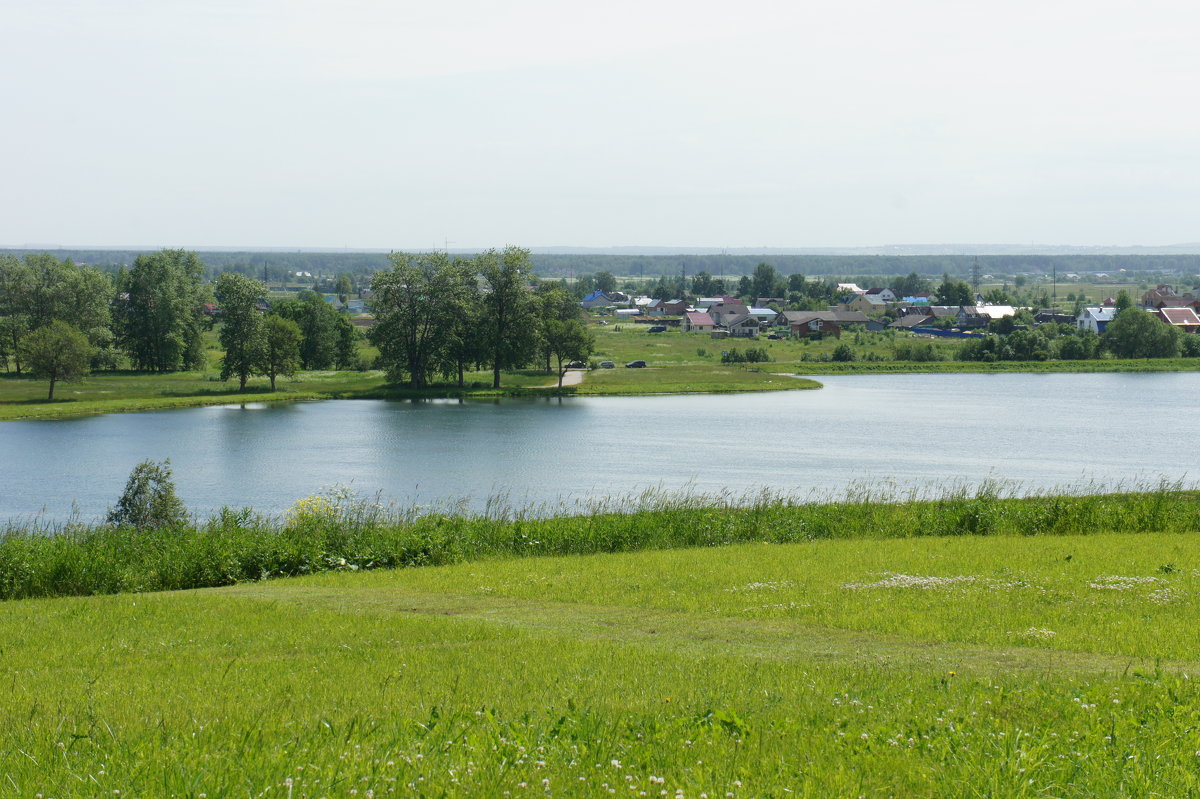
[339,531]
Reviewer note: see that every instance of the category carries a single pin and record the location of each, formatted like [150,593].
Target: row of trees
[152,312]
[438,315]
[59,320]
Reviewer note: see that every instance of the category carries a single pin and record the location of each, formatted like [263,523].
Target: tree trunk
[242,382]
[52,379]
[496,375]
[272,381]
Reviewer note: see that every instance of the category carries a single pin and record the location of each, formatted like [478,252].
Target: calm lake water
[1041,431]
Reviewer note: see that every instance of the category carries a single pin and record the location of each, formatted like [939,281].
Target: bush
[149,499]
[918,351]
[843,353]
[752,355]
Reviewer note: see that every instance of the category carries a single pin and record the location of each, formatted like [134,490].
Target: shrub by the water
[149,499]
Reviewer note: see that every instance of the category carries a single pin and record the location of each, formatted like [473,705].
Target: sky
[472,123]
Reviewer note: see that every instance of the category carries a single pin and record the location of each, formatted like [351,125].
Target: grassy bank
[679,363]
[936,667]
[324,533]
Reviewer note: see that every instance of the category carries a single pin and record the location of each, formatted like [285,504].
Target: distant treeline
[276,267]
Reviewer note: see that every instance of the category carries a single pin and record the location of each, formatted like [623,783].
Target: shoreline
[48,411]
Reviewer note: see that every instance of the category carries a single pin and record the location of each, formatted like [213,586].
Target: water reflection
[913,430]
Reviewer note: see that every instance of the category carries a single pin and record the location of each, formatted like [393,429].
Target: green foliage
[508,319]
[280,350]
[842,353]
[241,326]
[954,292]
[751,355]
[1082,345]
[160,319]
[340,528]
[910,285]
[1134,333]
[605,281]
[416,305]
[320,328]
[149,501]
[56,351]
[766,282]
[918,351]
[567,341]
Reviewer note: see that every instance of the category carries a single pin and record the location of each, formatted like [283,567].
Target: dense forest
[278,266]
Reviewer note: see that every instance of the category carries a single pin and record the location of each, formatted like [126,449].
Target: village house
[723,311]
[665,307]
[597,299]
[1183,318]
[871,304]
[981,315]
[806,323]
[887,295]
[741,326]
[765,316]
[1095,319]
[909,321]
[697,320]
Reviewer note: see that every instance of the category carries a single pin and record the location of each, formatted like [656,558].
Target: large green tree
[318,322]
[1134,333]
[40,289]
[241,325]
[56,351]
[954,292]
[415,304]
[555,304]
[568,340]
[509,318]
[280,350]
[766,282]
[161,313]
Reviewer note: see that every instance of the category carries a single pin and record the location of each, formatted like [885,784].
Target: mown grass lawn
[997,666]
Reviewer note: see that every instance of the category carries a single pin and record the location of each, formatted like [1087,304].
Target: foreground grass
[997,667]
[324,533]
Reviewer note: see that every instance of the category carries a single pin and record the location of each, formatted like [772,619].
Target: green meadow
[1042,666]
[678,363]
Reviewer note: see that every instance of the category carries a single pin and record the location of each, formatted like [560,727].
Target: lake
[1039,431]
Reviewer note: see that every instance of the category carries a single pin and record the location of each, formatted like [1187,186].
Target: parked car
[636,365]
[607,365]
[657,329]
[774,336]
[577,365]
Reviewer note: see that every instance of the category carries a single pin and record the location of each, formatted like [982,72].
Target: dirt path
[573,377]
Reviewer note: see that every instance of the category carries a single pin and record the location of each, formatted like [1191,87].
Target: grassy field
[969,666]
[678,363]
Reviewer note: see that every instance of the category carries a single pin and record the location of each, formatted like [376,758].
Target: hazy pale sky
[367,123]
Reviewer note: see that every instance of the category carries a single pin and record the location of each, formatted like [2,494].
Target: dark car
[774,337]
[657,329]
[607,365]
[636,365]
[576,365]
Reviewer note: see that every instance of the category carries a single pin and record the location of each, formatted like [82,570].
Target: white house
[1095,319]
